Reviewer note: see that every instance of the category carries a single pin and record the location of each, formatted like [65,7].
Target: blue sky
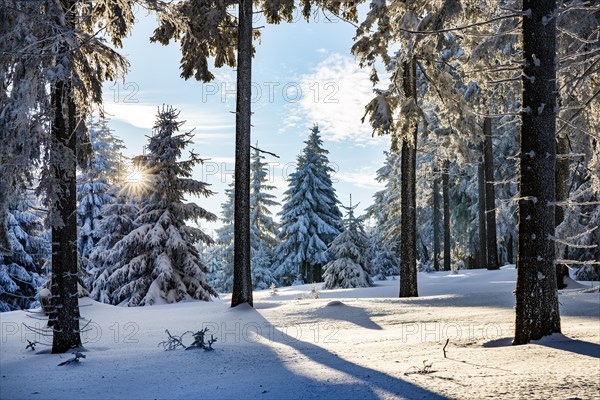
[303,74]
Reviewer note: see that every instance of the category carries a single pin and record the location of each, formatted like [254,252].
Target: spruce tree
[386,203]
[310,218]
[384,262]
[263,229]
[224,273]
[21,270]
[349,268]
[159,259]
[262,276]
[118,220]
[104,167]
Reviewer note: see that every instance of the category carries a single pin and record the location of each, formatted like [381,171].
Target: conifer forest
[336,199]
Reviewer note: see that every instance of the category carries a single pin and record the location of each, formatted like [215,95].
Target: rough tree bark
[408,195]
[436,220]
[490,196]
[482,257]
[446,201]
[64,317]
[562,194]
[242,277]
[537,312]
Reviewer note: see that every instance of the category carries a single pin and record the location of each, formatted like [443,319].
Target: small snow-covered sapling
[314,293]
[274,291]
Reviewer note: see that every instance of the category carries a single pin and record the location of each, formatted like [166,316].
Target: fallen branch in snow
[172,342]
[77,355]
[444,348]
[426,369]
[199,340]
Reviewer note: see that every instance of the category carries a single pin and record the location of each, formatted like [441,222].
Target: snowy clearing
[347,344]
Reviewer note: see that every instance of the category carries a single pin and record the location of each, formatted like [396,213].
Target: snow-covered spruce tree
[262,275]
[21,270]
[159,261]
[386,203]
[225,234]
[263,229]
[310,217]
[384,262]
[118,220]
[104,167]
[348,269]
[213,257]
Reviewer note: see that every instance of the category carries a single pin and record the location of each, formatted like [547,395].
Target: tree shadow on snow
[339,311]
[561,342]
[370,384]
[558,342]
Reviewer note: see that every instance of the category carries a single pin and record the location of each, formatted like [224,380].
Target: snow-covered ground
[347,344]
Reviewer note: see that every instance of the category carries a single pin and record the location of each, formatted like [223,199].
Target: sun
[136,182]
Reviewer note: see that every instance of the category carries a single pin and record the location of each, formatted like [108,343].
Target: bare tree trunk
[482,259]
[562,194]
[446,200]
[436,220]
[64,317]
[537,312]
[408,196]
[242,277]
[490,196]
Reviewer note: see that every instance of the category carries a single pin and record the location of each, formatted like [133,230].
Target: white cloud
[364,179]
[207,125]
[334,95]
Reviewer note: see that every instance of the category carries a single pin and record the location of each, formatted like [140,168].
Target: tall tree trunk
[482,259]
[408,196]
[562,194]
[446,200]
[490,196]
[242,277]
[65,316]
[537,312]
[436,220]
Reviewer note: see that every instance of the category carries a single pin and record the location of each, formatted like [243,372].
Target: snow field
[347,344]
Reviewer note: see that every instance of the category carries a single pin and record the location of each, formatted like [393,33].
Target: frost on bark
[64,317]
[408,216]
[242,276]
[490,196]
[537,312]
